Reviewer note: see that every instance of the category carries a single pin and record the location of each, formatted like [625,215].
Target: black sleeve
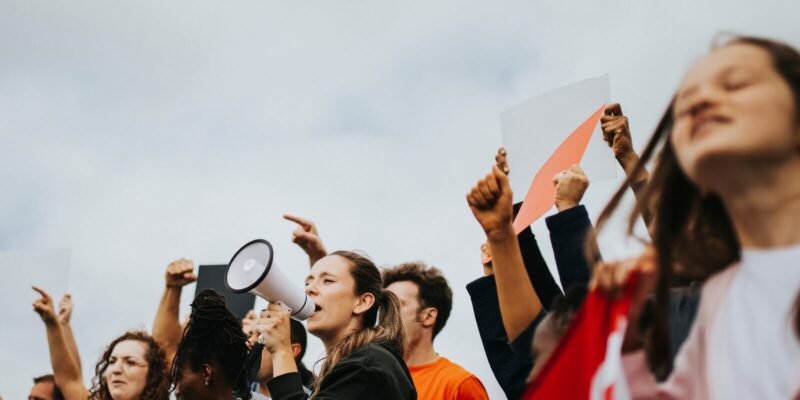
[524,342]
[287,387]
[568,232]
[510,370]
[543,282]
[354,377]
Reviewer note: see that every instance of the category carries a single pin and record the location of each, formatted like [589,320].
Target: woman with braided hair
[209,362]
[359,324]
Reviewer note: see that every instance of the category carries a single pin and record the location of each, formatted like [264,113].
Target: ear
[207,373]
[296,349]
[427,317]
[363,303]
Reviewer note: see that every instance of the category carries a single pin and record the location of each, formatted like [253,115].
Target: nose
[115,368]
[311,289]
[707,96]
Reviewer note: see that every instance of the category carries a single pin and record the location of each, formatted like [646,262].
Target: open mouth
[317,307]
[705,122]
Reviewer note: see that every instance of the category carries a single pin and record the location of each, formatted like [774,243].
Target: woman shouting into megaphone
[359,324]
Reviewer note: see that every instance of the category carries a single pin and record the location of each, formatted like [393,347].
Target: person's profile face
[126,374]
[42,391]
[408,294]
[733,106]
[190,384]
[332,288]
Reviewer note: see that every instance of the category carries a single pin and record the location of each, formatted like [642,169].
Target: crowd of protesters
[715,314]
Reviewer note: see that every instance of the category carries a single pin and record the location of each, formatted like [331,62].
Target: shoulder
[720,281]
[716,286]
[445,371]
[375,353]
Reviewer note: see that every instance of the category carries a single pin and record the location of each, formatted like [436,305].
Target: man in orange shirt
[425,304]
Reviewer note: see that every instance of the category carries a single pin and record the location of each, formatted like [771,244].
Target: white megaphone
[252,269]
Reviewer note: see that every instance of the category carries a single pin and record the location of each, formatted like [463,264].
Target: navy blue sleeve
[510,370]
[523,344]
[543,283]
[568,232]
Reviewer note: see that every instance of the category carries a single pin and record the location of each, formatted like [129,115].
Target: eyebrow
[124,358]
[322,275]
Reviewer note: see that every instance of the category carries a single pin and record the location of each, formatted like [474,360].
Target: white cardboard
[533,130]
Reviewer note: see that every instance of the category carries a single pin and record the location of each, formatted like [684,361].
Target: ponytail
[380,324]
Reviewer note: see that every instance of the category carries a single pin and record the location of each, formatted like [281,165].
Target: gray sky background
[134,133]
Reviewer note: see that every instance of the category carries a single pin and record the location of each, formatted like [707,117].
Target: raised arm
[570,227]
[64,315]
[307,237]
[491,204]
[65,369]
[167,330]
[617,135]
[509,369]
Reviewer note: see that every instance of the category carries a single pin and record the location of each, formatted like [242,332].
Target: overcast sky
[134,133]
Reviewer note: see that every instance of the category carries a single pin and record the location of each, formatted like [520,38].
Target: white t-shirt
[754,351]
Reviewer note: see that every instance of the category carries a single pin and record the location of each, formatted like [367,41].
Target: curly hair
[157,385]
[433,288]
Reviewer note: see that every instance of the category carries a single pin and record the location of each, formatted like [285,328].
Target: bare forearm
[65,368]
[283,363]
[72,346]
[638,182]
[167,326]
[519,304]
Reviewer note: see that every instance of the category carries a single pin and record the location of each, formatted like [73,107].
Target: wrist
[627,159]
[501,234]
[315,256]
[282,351]
[565,205]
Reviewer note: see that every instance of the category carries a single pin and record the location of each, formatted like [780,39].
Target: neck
[420,352]
[331,340]
[764,205]
[221,392]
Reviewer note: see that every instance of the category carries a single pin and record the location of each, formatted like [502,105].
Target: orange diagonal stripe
[541,195]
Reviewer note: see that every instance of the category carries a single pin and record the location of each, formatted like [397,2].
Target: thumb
[502,179]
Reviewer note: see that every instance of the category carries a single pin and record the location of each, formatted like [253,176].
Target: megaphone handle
[286,308]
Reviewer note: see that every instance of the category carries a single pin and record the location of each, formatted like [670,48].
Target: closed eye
[736,85]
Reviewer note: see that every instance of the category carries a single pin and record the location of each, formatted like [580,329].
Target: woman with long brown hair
[133,366]
[359,324]
[726,199]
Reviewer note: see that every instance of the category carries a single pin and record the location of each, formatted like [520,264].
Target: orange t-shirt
[444,380]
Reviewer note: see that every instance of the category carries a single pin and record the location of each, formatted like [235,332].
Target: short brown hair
[433,288]
[50,378]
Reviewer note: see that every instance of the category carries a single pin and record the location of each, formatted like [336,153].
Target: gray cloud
[136,133]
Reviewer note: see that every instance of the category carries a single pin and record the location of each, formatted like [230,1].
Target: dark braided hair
[213,336]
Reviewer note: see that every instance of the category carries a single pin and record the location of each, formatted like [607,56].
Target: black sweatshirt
[374,371]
